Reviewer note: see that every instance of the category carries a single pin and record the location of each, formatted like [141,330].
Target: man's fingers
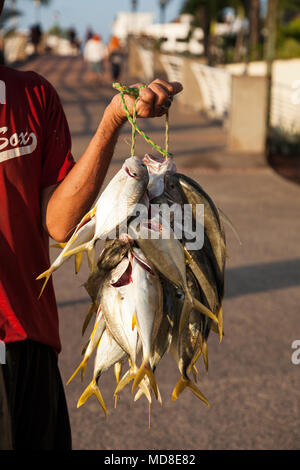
[161,97]
[177,87]
[156,98]
[146,103]
[172,87]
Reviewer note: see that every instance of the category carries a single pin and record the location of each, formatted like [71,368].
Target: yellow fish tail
[82,366]
[46,274]
[145,369]
[78,261]
[92,389]
[187,383]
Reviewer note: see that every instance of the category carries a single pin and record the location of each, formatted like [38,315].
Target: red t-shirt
[35,152]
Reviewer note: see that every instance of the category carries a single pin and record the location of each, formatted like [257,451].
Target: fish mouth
[125,279]
[156,158]
[143,264]
[132,175]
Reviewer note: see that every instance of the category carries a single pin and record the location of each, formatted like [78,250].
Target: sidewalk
[252,385]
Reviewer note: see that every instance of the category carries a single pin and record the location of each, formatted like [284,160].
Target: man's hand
[154,100]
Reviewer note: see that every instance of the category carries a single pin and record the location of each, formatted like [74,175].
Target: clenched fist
[154,100]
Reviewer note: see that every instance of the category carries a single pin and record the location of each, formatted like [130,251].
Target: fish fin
[116,401]
[229,222]
[185,312]
[82,366]
[187,383]
[205,355]
[195,372]
[91,253]
[58,245]
[46,274]
[145,369]
[143,390]
[134,321]
[159,399]
[204,310]
[85,348]
[187,256]
[78,249]
[117,370]
[127,377]
[93,308]
[192,366]
[92,389]
[78,261]
[220,323]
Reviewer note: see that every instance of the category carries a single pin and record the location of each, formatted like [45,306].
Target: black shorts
[33,409]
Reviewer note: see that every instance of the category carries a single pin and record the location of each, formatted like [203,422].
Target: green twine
[135,92]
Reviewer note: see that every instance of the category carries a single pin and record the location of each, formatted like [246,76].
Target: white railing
[285,113]
[173,66]
[215,86]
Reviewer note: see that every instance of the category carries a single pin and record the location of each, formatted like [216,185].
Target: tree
[7,15]
[204,12]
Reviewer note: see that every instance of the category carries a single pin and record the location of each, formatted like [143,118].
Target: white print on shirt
[2,92]
[23,144]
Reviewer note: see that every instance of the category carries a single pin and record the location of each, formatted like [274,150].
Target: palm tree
[204,12]
[8,14]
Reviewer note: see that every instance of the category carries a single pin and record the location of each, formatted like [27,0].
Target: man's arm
[64,205]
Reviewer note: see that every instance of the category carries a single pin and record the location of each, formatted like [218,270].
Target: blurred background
[212,47]
[235,129]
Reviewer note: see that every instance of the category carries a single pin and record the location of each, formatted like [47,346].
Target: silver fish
[167,256]
[186,345]
[148,312]
[95,337]
[109,352]
[117,202]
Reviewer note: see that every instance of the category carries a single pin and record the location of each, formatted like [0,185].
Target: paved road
[252,385]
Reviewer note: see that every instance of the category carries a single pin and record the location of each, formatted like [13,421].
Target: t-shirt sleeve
[57,159]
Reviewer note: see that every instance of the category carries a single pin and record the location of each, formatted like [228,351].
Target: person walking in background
[115,55]
[74,41]
[89,34]
[94,54]
[36,36]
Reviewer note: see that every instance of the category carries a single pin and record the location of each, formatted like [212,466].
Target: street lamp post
[163,4]
[134,5]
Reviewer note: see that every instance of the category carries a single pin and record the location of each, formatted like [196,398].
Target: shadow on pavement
[244,280]
[262,277]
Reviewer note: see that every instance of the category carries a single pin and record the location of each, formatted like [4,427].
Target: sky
[80,14]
